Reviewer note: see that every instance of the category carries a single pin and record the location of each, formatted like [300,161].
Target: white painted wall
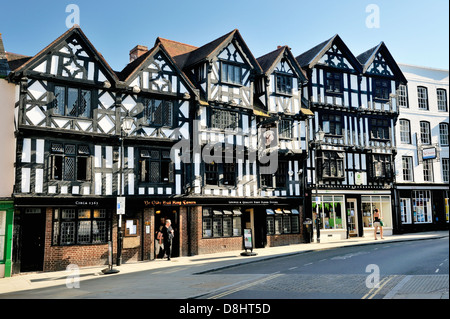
[432,79]
[7,139]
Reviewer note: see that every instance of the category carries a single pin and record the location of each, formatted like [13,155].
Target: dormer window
[284,84]
[334,83]
[231,73]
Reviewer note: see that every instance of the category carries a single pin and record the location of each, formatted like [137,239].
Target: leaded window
[156,166]
[381,166]
[158,112]
[74,102]
[285,129]
[70,162]
[80,226]
[224,119]
[332,164]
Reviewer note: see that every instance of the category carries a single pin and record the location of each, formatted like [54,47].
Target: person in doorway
[159,243]
[377,223]
[168,235]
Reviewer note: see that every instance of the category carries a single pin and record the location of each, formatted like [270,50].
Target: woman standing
[377,223]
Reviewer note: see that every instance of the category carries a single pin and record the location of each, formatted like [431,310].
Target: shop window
[405,210]
[330,210]
[383,203]
[422,212]
[284,221]
[70,162]
[156,167]
[72,226]
[221,223]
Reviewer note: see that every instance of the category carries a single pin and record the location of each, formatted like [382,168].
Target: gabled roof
[74,30]
[311,57]
[128,73]
[366,59]
[187,55]
[269,61]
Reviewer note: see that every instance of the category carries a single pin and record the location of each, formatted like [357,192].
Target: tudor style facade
[350,170]
[69,110]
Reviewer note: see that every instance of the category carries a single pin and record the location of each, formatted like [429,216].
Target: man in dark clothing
[168,236]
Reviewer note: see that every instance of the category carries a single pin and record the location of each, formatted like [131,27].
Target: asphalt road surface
[360,272]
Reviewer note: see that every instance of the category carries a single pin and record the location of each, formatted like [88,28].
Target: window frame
[222,119]
[445,169]
[335,127]
[327,159]
[334,83]
[146,159]
[381,127]
[425,137]
[285,129]
[402,93]
[78,100]
[149,112]
[63,155]
[443,134]
[381,167]
[225,73]
[408,168]
[381,89]
[422,98]
[284,83]
[428,170]
[58,220]
[405,133]
[217,223]
[442,103]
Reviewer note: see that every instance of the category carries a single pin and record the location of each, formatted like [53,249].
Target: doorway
[33,239]
[352,217]
[172,213]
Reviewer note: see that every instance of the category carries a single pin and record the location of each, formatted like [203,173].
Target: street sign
[120,205]
[248,242]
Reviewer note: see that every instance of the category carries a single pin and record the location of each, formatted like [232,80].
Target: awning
[237,212]
[295,212]
[270,212]
[286,211]
[217,212]
[228,212]
[278,211]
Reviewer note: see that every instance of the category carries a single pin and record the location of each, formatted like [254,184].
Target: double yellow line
[373,292]
[254,283]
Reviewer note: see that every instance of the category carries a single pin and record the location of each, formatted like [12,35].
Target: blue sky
[416,32]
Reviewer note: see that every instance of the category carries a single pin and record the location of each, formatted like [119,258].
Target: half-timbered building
[74,157]
[350,170]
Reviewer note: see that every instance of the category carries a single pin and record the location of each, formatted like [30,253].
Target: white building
[422,161]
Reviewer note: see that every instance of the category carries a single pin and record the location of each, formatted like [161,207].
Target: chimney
[279,47]
[4,66]
[137,51]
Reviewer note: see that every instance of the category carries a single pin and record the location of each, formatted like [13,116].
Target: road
[411,268]
[393,270]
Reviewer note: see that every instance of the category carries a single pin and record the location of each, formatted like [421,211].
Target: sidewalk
[197,264]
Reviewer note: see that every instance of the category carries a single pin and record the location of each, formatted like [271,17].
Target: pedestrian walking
[168,235]
[377,223]
[159,243]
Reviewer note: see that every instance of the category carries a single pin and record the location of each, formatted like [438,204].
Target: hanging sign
[429,153]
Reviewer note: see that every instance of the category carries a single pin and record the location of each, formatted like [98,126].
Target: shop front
[339,216]
[218,225]
[423,208]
